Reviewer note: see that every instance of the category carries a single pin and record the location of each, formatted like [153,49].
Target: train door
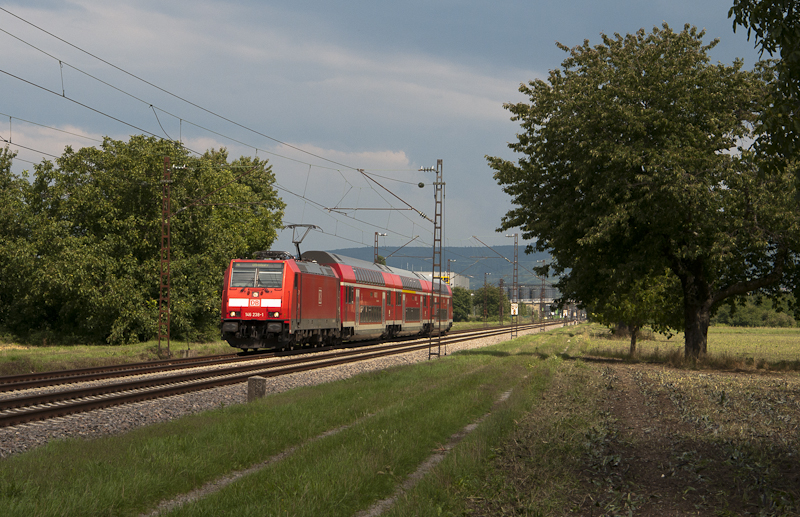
[383,308]
[358,307]
[298,280]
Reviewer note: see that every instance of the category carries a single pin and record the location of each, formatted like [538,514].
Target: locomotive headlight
[275,314]
[234,314]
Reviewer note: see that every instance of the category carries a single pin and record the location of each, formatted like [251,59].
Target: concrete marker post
[256,388]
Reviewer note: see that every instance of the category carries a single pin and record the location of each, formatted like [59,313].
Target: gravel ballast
[120,419]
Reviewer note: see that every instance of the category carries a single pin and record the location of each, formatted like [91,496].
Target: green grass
[398,417]
[728,347]
[528,454]
[16,359]
[525,458]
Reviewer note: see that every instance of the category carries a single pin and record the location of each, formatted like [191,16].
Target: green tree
[91,266]
[648,301]
[14,228]
[775,25]
[462,304]
[630,165]
[755,312]
[493,296]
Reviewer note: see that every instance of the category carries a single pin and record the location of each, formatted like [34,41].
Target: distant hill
[468,261]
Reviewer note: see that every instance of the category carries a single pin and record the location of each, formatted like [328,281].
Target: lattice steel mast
[164,305]
[436,268]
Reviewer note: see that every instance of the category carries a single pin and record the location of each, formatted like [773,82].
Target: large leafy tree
[775,27]
[633,163]
[14,229]
[89,266]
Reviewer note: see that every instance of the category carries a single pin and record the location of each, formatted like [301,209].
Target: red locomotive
[277,301]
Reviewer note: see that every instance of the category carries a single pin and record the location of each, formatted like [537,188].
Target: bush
[753,314]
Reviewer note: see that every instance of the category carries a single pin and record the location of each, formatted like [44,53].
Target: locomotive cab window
[248,274]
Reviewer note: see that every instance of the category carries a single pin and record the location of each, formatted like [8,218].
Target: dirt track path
[694,443]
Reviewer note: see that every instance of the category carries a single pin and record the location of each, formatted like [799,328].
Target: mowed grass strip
[414,410]
[351,470]
[525,459]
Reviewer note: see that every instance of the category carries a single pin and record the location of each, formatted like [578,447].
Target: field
[579,432]
[16,358]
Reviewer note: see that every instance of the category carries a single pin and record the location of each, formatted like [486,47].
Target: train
[279,301]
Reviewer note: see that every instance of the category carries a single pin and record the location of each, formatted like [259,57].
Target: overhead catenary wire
[198,202]
[62,63]
[324,209]
[150,105]
[191,103]
[48,90]
[51,128]
[153,108]
[210,112]
[27,148]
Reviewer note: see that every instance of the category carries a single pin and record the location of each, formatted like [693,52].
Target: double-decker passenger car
[277,301]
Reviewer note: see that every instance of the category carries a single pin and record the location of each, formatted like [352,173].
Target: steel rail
[52,378]
[10,382]
[23,409]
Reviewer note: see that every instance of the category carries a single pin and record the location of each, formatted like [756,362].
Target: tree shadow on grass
[493,353]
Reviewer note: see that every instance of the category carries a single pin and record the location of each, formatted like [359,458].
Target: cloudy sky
[319,88]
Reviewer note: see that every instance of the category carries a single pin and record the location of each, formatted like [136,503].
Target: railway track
[209,372]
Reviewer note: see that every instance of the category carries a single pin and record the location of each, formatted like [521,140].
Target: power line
[153,108]
[179,98]
[9,142]
[324,209]
[210,112]
[315,204]
[85,106]
[52,128]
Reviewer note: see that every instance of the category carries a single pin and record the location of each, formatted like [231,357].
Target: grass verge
[606,437]
[17,359]
[397,418]
[577,435]
[523,460]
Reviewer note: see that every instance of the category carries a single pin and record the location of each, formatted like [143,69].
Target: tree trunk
[696,333]
[697,303]
[634,333]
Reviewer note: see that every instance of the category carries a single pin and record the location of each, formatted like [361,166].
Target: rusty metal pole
[541,301]
[164,305]
[515,287]
[485,292]
[436,267]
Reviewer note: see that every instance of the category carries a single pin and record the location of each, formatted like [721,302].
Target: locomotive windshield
[250,274]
